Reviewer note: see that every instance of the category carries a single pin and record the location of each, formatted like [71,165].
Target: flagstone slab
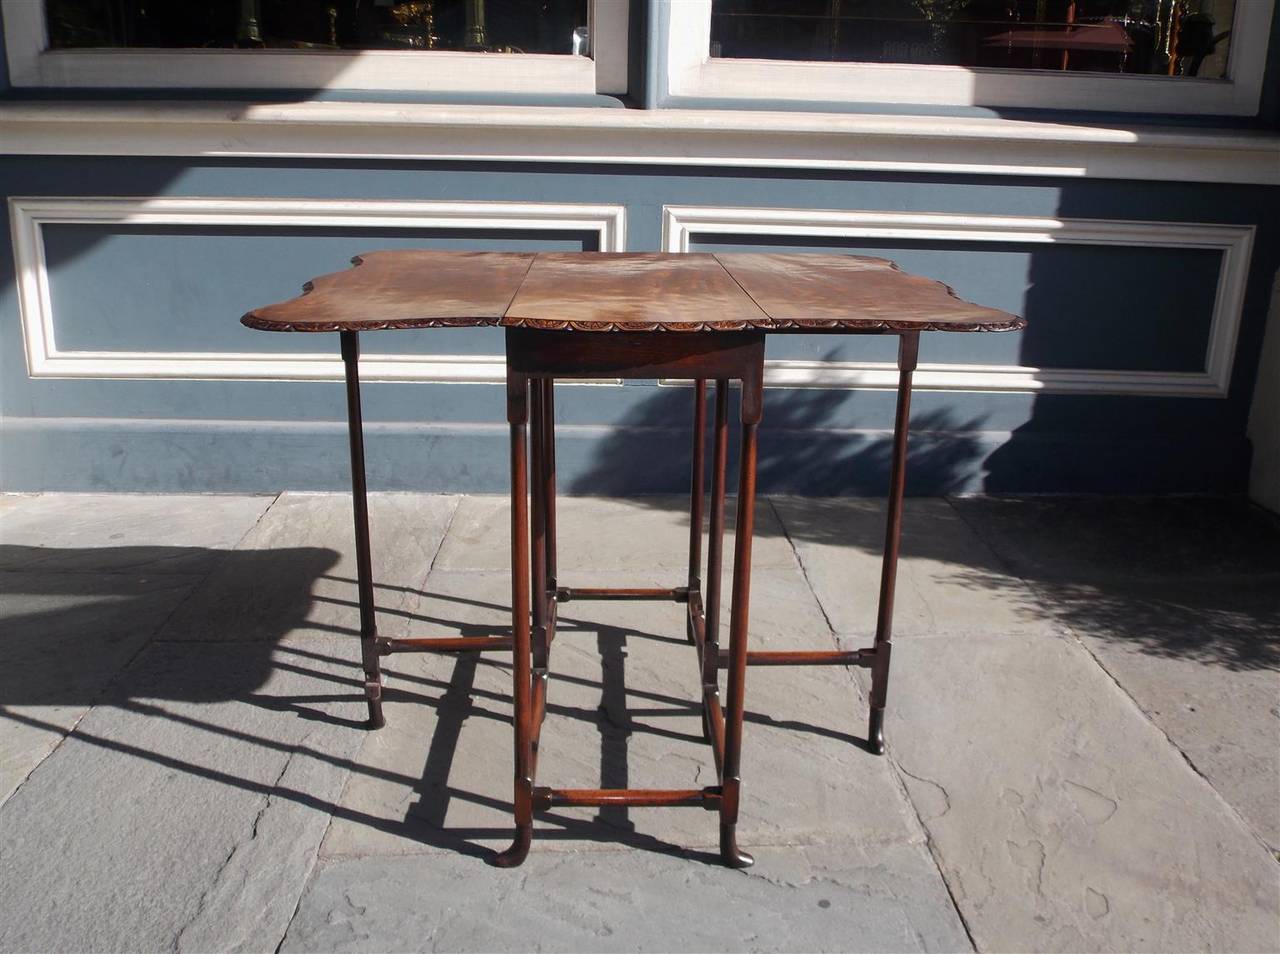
[1061,817]
[143,533]
[879,898]
[1202,661]
[1110,538]
[949,581]
[296,570]
[1179,599]
[63,637]
[606,533]
[184,812]
[622,712]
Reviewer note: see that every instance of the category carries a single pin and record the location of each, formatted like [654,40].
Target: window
[1173,56]
[513,26]
[544,46]
[1150,37]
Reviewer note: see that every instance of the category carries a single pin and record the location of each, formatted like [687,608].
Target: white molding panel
[1234,242]
[692,71]
[684,137]
[45,359]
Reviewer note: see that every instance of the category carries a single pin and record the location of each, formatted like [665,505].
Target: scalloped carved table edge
[628,292]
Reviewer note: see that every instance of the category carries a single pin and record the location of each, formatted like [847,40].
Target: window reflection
[495,26]
[1154,37]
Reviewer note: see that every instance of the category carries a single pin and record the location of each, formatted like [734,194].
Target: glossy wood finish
[677,594]
[402,289]
[715,537]
[599,291]
[805,657]
[350,343]
[533,359]
[630,356]
[545,799]
[853,293]
[521,669]
[373,646]
[446,644]
[549,477]
[627,291]
[697,478]
[739,611]
[547,301]
[908,352]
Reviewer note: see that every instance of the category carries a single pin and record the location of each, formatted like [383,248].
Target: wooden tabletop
[641,291]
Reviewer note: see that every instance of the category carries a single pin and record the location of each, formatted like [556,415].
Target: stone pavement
[1084,732]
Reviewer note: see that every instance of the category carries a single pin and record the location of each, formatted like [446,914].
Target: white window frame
[32,63]
[692,72]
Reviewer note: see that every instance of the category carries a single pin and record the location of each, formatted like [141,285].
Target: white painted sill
[718,138]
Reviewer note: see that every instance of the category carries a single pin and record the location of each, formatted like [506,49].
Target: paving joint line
[1045,601]
[895,769]
[453,515]
[935,854]
[317,861]
[1272,853]
[804,571]
[114,680]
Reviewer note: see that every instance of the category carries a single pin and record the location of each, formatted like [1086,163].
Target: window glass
[1153,37]
[495,26]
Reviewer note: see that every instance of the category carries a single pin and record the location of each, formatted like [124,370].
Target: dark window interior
[1153,37]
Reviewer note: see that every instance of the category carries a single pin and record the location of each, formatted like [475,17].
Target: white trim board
[691,71]
[685,137]
[45,359]
[32,64]
[1235,242]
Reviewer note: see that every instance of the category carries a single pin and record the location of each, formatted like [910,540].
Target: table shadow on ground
[75,636]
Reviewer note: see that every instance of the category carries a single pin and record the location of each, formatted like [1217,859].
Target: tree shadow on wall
[1185,578]
[809,443]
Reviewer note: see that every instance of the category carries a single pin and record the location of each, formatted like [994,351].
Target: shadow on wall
[1139,310]
[806,446]
[1194,579]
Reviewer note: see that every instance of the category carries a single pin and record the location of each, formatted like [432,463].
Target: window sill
[716,138]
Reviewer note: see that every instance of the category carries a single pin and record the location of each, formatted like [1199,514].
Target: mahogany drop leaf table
[698,317]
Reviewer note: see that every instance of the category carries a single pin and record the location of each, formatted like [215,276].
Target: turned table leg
[360,505]
[518,418]
[697,489]
[715,547]
[908,350]
[739,616]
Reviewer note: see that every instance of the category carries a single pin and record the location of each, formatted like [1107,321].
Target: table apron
[638,354]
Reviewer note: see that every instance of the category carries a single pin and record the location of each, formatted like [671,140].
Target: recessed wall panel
[183,288]
[1104,307]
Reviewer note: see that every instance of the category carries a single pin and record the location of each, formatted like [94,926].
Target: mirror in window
[1152,37]
[492,26]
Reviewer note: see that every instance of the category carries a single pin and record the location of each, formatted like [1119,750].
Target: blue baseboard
[79,454]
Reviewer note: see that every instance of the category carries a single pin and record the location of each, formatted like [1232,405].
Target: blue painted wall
[183,288]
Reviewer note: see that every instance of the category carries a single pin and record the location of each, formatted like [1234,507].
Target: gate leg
[360,505]
[739,614]
[518,418]
[908,351]
[715,546]
[549,451]
[697,489]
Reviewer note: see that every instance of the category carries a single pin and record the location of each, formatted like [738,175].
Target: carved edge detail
[675,327]
[255,321]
